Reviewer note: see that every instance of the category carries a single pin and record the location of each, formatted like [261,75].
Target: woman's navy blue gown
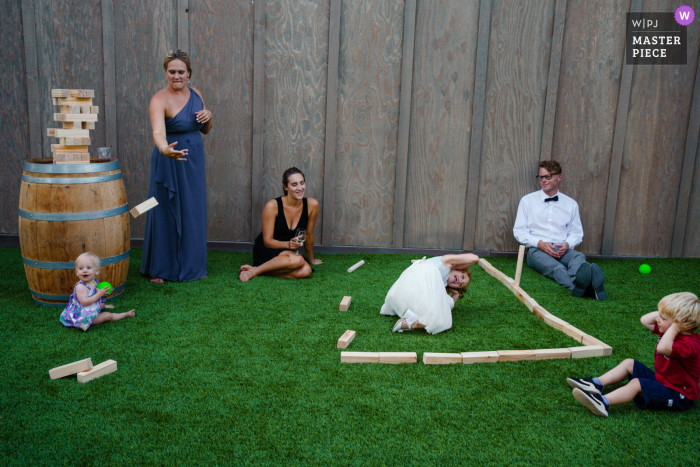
[175,243]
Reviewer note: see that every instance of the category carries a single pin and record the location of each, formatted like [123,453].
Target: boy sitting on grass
[674,386]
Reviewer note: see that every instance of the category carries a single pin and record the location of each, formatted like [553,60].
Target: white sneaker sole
[575,384]
[589,404]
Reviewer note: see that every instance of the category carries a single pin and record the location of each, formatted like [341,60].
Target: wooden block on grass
[539,312]
[104,368]
[359,357]
[587,351]
[515,355]
[430,358]
[345,339]
[576,333]
[345,303]
[590,340]
[528,301]
[70,368]
[555,322]
[480,357]
[143,207]
[548,354]
[398,357]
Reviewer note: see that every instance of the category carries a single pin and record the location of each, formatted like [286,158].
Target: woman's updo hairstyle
[177,54]
[288,173]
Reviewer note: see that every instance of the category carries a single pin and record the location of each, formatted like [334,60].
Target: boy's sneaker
[587,384]
[594,402]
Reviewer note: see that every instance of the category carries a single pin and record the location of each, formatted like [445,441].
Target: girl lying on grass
[87,300]
[418,297]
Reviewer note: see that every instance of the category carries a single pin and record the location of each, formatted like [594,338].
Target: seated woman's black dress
[263,254]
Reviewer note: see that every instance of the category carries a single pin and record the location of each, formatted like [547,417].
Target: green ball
[645,269]
[105,285]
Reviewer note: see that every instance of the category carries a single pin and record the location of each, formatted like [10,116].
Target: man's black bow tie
[554,198]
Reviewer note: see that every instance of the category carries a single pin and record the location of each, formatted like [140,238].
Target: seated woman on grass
[287,223]
[418,297]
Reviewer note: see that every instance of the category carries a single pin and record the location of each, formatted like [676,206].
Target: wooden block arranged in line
[539,312]
[74,117]
[528,301]
[359,357]
[82,93]
[430,358]
[515,355]
[587,351]
[570,330]
[104,368]
[70,368]
[555,322]
[480,357]
[143,207]
[548,354]
[398,357]
[60,93]
[590,340]
[345,339]
[345,303]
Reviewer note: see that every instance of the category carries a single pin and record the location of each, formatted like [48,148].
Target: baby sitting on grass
[674,386]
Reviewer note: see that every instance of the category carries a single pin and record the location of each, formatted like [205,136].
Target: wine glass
[301,237]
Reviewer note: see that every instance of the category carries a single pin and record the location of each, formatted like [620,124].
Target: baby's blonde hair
[683,308]
[93,256]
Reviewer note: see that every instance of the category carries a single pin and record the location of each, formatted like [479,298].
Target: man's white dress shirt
[553,221]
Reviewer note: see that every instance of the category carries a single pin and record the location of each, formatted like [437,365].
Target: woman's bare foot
[108,306]
[248,273]
[157,280]
[128,314]
[245,267]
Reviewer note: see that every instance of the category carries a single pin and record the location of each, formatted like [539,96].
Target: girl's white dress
[421,288]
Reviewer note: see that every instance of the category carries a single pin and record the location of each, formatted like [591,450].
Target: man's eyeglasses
[546,177]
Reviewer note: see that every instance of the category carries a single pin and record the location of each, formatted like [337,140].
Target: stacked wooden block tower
[78,116]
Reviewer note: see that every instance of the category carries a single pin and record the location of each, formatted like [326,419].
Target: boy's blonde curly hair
[683,308]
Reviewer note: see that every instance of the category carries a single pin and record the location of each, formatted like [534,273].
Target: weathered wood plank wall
[531,110]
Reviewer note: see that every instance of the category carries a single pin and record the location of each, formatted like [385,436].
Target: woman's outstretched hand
[316,261]
[169,151]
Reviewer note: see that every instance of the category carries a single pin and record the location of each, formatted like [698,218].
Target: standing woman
[274,250]
[175,243]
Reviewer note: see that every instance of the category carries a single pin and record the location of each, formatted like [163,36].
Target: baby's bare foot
[109,307]
[130,314]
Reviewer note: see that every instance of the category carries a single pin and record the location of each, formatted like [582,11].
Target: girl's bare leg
[285,265]
[107,316]
[106,306]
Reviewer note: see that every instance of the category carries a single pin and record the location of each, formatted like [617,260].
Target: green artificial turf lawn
[223,372]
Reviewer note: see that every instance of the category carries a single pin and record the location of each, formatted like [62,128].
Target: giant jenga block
[104,368]
[78,116]
[70,368]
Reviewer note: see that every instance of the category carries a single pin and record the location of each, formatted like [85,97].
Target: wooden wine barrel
[66,210]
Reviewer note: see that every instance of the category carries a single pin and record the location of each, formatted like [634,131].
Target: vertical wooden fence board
[296,62]
[553,80]
[109,111]
[369,76]
[521,34]
[409,30]
[441,120]
[32,70]
[650,173]
[477,134]
[145,31]
[221,51]
[687,170]
[183,26]
[258,118]
[331,122]
[69,55]
[691,248]
[14,115]
[591,68]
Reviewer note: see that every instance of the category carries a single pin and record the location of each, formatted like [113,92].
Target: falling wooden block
[548,354]
[587,351]
[143,207]
[74,117]
[577,334]
[345,303]
[590,340]
[480,357]
[539,312]
[104,368]
[359,357]
[555,322]
[345,339]
[80,93]
[519,265]
[70,368]
[60,93]
[356,265]
[441,358]
[398,357]
[515,355]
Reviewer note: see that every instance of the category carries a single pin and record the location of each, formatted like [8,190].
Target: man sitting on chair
[548,223]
